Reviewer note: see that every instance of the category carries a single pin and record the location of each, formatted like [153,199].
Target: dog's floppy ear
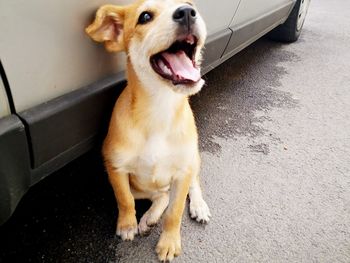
[108,27]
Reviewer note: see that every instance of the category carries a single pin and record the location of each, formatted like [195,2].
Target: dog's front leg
[169,244]
[127,222]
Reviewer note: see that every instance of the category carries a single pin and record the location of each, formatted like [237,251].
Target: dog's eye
[145,17]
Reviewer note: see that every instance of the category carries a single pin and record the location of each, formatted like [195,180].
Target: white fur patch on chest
[157,161]
[155,151]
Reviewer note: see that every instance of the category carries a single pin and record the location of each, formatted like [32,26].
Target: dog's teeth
[165,69]
[190,40]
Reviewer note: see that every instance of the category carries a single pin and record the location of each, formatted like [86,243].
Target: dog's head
[162,38]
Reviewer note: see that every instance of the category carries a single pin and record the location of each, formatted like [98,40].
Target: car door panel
[218,17]
[214,48]
[250,23]
[252,10]
[46,52]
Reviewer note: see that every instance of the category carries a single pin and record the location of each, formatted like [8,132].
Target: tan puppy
[151,150]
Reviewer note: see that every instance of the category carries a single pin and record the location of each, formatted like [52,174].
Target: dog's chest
[158,160]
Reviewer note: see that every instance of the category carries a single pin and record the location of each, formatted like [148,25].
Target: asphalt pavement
[274,125]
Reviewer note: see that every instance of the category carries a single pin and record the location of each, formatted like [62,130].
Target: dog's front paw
[146,222]
[169,246]
[127,227]
[199,211]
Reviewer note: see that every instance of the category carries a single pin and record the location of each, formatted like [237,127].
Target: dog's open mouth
[177,63]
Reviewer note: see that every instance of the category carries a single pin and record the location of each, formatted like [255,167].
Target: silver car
[58,87]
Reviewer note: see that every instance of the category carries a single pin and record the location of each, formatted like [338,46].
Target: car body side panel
[46,52]
[253,19]
[70,123]
[244,34]
[214,48]
[217,15]
[250,10]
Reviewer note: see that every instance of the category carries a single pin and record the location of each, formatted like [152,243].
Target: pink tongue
[182,66]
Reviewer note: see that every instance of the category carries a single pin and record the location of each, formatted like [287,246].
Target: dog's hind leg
[153,214]
[199,209]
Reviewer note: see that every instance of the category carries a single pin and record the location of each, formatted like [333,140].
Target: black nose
[185,15]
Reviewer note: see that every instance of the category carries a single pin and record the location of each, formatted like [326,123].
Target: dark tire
[290,30]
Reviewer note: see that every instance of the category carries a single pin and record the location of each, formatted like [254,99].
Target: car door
[253,19]
[218,16]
